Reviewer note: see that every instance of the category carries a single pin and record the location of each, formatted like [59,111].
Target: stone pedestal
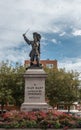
[34,98]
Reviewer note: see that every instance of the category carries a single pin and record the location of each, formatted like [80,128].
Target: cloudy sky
[58,22]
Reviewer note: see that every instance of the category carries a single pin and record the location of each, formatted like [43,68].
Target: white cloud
[54,41]
[77,32]
[39,15]
[71,64]
[62,34]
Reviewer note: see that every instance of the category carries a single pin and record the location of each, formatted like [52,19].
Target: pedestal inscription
[34,98]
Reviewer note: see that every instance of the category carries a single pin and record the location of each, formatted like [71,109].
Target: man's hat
[37,35]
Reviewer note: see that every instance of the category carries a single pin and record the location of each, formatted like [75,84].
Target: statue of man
[35,52]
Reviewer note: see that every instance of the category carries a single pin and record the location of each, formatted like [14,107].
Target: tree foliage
[11,84]
[61,86]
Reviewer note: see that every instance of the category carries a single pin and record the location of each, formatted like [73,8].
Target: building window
[50,65]
[61,107]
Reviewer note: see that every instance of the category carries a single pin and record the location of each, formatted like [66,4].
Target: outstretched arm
[26,39]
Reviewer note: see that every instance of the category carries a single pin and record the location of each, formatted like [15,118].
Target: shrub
[55,119]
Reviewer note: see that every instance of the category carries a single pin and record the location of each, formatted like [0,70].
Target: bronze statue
[35,52]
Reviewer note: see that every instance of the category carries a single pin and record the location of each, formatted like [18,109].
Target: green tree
[18,84]
[61,86]
[5,91]
[11,84]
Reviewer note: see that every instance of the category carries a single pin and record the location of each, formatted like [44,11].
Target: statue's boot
[31,63]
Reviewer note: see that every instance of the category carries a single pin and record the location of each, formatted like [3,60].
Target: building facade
[45,63]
